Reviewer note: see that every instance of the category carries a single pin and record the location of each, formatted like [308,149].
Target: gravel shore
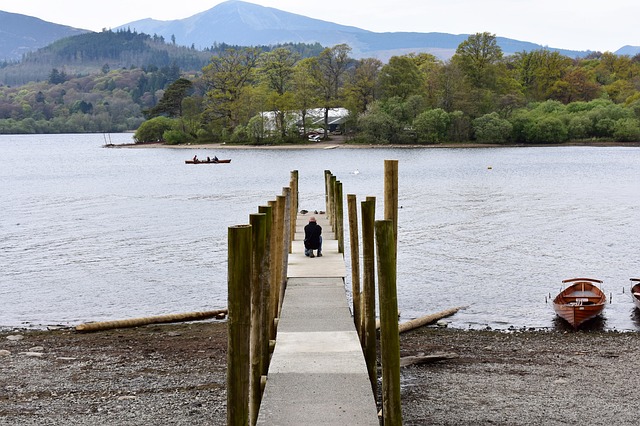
[175,374]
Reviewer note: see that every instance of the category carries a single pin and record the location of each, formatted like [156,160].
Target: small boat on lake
[635,291]
[207,161]
[580,301]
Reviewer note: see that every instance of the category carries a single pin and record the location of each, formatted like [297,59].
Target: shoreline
[341,144]
[146,375]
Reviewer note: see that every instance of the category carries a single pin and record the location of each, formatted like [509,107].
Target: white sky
[568,24]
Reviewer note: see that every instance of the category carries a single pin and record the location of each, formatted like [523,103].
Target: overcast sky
[568,24]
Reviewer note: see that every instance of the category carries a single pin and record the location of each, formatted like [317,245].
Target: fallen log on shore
[427,319]
[136,322]
[426,359]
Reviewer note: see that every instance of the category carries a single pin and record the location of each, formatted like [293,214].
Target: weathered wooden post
[327,175]
[266,319]
[259,234]
[389,336]
[276,260]
[239,324]
[332,200]
[286,191]
[391,196]
[339,228]
[283,248]
[369,289]
[352,209]
[294,207]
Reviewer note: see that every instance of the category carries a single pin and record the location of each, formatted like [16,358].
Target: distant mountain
[240,23]
[628,50]
[20,34]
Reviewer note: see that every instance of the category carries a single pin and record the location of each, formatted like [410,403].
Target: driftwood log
[425,359]
[136,322]
[425,320]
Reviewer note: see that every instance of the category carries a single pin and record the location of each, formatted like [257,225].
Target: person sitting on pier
[312,238]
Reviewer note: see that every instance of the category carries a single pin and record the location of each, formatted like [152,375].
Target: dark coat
[312,233]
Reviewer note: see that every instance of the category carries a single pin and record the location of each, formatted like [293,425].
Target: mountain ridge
[241,23]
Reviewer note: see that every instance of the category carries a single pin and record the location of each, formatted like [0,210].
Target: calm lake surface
[89,233]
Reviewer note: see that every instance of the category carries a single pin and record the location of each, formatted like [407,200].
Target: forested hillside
[479,95]
[266,94]
[99,82]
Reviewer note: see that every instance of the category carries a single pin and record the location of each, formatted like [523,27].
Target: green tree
[225,78]
[170,104]
[490,128]
[627,130]
[400,78]
[432,126]
[478,56]
[327,72]
[276,71]
[153,130]
[361,88]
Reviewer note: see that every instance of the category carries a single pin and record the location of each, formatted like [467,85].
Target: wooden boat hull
[207,162]
[581,301]
[635,291]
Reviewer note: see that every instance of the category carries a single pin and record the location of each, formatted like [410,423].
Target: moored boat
[635,291]
[580,301]
[207,162]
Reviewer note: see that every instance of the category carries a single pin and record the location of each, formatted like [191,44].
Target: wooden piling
[339,226]
[389,336]
[368,298]
[267,284]
[294,207]
[281,249]
[391,196]
[327,175]
[259,235]
[352,209]
[332,196]
[273,270]
[287,236]
[239,324]
[277,250]
[329,189]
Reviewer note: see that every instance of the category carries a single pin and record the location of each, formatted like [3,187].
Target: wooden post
[282,249]
[369,289]
[332,210]
[327,174]
[339,229]
[276,259]
[391,196]
[266,320]
[239,324]
[259,239]
[287,238]
[389,336]
[352,209]
[294,208]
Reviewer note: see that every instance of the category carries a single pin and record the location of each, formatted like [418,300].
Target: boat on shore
[207,161]
[580,301]
[635,291]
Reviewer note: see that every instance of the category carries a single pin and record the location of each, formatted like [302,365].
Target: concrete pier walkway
[317,374]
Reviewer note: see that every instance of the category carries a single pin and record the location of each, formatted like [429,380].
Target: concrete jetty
[317,374]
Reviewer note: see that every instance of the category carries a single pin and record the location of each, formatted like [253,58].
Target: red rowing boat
[635,291]
[580,301]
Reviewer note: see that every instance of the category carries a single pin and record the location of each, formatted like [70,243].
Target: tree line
[478,95]
[266,94]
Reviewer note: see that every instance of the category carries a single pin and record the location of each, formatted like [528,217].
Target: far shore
[340,143]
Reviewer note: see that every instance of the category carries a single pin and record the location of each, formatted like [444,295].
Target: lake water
[89,233]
